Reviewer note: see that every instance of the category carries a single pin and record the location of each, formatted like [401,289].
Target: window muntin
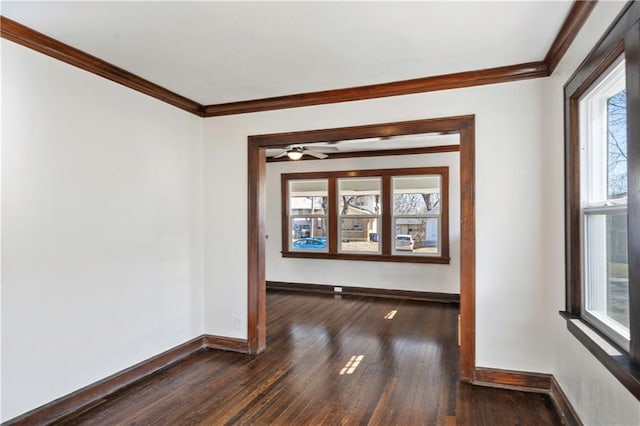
[308,215]
[359,214]
[603,206]
[416,215]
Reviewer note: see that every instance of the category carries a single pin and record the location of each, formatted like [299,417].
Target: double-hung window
[602,199]
[391,215]
[308,213]
[359,214]
[416,214]
[603,190]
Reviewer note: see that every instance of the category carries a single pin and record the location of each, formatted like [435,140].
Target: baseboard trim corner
[530,382]
[92,394]
[226,343]
[512,380]
[564,407]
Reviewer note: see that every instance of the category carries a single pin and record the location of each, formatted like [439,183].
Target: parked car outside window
[310,243]
[404,242]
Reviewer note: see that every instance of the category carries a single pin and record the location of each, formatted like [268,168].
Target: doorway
[464,126]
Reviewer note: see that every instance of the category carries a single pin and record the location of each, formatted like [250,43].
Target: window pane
[309,233]
[603,118]
[359,196]
[308,205]
[307,197]
[416,235]
[617,145]
[359,235]
[607,292]
[416,194]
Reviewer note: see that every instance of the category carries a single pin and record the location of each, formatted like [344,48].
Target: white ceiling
[217,52]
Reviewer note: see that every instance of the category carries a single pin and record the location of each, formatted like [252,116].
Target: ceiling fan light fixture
[294,154]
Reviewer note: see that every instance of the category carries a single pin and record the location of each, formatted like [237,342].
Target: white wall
[509,200]
[102,215]
[598,396]
[397,276]
[101,220]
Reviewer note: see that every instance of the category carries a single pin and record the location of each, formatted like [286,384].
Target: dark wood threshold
[614,358]
[95,393]
[365,291]
[529,382]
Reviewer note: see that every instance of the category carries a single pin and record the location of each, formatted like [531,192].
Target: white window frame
[377,217]
[437,216]
[292,217]
[594,193]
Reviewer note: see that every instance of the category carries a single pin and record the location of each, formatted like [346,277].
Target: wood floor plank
[408,374]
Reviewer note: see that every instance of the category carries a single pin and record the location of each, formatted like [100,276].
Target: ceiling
[218,52]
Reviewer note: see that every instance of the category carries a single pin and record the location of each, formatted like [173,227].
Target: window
[308,214]
[602,187]
[603,193]
[398,215]
[416,214]
[359,214]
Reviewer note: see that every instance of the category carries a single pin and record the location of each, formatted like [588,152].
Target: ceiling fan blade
[325,148]
[315,154]
[282,154]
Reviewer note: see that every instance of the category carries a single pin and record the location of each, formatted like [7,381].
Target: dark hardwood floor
[403,371]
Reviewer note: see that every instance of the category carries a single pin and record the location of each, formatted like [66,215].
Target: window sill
[615,359]
[369,257]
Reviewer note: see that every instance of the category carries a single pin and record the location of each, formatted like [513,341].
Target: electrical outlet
[237,323]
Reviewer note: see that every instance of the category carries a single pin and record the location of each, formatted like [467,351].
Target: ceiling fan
[295,152]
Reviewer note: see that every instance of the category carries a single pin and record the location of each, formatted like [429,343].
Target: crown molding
[27,37]
[570,28]
[44,44]
[397,88]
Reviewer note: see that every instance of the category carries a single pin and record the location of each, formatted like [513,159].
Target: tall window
[359,214]
[308,209]
[602,196]
[398,215]
[416,214]
[603,188]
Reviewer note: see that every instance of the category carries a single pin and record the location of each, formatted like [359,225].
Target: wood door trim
[380,153]
[256,286]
